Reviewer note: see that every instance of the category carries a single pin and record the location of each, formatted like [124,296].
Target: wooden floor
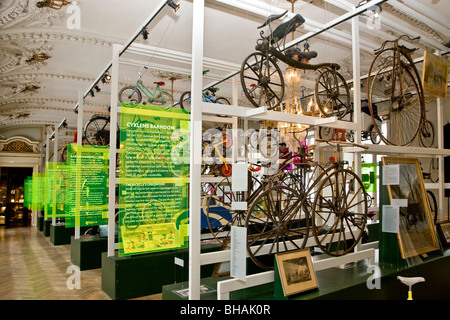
[32,268]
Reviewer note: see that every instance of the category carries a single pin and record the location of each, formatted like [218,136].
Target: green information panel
[56,189]
[39,187]
[28,192]
[369,176]
[87,181]
[153,179]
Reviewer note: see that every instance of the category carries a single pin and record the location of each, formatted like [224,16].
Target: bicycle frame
[151,96]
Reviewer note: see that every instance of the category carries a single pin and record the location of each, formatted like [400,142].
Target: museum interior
[224,150]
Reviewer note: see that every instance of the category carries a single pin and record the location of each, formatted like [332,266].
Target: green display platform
[60,235]
[142,275]
[46,227]
[86,252]
[348,284]
[40,222]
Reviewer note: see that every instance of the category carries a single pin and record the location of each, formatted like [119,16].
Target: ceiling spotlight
[306,47]
[97,88]
[92,93]
[174,6]
[144,34]
[106,78]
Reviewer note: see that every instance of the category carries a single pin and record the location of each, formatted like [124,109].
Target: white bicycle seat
[409,281]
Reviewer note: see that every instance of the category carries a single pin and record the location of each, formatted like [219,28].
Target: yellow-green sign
[153,179]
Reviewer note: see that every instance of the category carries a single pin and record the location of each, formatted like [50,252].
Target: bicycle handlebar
[396,41]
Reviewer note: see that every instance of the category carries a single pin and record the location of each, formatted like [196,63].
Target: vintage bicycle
[262,80]
[395,86]
[133,94]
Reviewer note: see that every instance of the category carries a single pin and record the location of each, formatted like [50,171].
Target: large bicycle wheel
[275,224]
[185,101]
[262,81]
[426,135]
[219,210]
[332,94]
[130,94]
[339,212]
[394,88]
[96,131]
[164,99]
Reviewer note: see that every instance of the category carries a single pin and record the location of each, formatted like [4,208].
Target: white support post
[55,159]
[112,149]
[80,111]
[198,14]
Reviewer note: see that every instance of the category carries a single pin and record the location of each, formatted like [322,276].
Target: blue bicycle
[208,95]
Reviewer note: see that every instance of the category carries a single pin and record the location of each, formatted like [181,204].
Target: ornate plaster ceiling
[46,59]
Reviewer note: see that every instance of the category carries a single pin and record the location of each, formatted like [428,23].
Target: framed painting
[435,75]
[417,234]
[443,228]
[296,272]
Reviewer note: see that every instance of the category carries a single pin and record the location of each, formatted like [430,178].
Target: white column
[112,149]
[80,111]
[198,14]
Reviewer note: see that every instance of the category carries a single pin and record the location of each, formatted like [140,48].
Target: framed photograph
[435,75]
[417,234]
[296,272]
[443,228]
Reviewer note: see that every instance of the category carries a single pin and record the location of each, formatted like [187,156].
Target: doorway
[12,210]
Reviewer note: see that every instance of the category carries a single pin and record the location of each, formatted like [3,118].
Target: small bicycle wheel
[275,224]
[332,93]
[185,101]
[222,100]
[96,131]
[262,81]
[394,84]
[374,136]
[433,169]
[339,215]
[226,169]
[426,135]
[325,133]
[130,94]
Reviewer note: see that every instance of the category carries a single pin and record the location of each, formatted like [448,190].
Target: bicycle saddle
[297,54]
[271,18]
[410,281]
[287,27]
[160,83]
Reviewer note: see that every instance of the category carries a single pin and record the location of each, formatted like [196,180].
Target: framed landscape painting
[417,234]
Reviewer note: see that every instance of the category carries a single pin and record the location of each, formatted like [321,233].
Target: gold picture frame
[417,234]
[296,271]
[435,75]
[443,228]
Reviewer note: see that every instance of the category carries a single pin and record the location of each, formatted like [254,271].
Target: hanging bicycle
[395,86]
[133,94]
[263,82]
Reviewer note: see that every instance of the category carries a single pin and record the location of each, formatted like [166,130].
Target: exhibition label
[153,179]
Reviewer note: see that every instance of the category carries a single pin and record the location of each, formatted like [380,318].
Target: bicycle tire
[433,169]
[185,101]
[402,103]
[333,206]
[269,82]
[96,131]
[163,99]
[130,94]
[433,205]
[274,223]
[426,135]
[325,133]
[374,136]
[332,93]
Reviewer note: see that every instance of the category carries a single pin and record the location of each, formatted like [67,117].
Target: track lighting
[144,34]
[106,78]
[306,47]
[97,88]
[92,93]
[174,6]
